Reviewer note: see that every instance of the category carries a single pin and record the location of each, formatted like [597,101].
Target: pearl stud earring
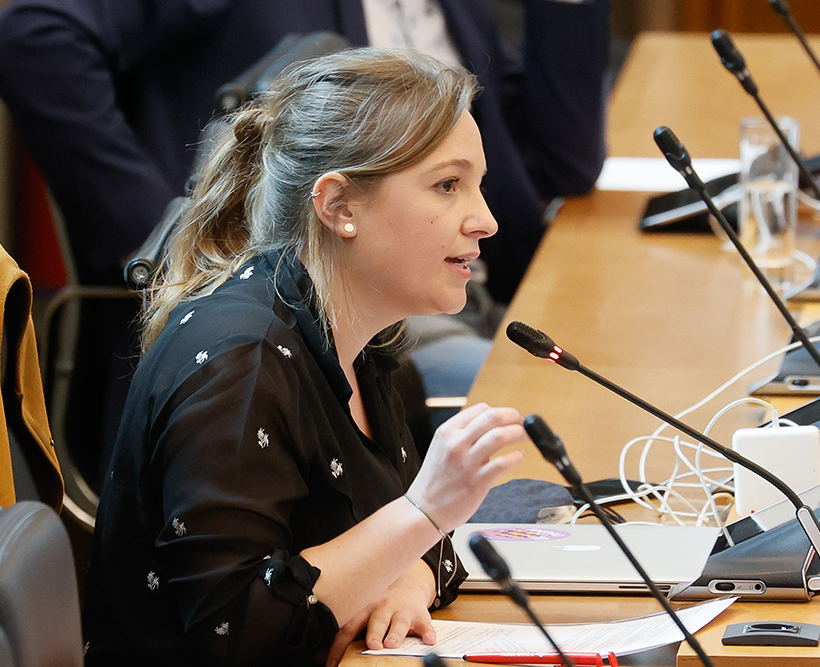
[349,227]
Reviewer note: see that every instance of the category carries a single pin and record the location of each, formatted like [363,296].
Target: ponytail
[213,236]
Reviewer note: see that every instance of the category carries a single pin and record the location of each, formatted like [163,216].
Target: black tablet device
[684,211]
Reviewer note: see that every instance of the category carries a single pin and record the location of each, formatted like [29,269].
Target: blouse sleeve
[447,570]
[230,477]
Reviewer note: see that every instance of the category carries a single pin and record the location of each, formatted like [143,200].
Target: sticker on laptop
[523,533]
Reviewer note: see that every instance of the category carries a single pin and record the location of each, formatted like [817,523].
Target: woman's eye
[448,185]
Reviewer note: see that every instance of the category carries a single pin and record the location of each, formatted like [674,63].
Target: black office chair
[292,48]
[60,333]
[39,602]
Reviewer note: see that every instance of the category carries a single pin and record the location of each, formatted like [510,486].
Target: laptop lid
[585,558]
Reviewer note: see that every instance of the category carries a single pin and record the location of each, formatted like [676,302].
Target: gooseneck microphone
[782,8]
[734,62]
[677,156]
[496,568]
[540,345]
[552,449]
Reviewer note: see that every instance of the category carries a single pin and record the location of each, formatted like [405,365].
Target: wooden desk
[677,79]
[670,317]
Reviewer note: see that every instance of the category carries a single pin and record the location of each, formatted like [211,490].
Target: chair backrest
[293,47]
[39,601]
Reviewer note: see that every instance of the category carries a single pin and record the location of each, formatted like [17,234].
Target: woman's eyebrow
[462,163]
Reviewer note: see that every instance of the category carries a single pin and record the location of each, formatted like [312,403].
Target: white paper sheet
[648,174]
[457,638]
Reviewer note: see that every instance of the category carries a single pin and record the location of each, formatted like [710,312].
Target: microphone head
[532,340]
[726,49]
[673,150]
[544,438]
[538,344]
[551,448]
[492,563]
[781,7]
[733,60]
[432,660]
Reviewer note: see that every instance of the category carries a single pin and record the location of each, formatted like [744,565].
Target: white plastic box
[791,453]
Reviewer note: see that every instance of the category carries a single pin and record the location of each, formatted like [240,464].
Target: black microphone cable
[552,449]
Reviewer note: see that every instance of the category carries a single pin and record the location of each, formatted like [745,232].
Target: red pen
[540,658]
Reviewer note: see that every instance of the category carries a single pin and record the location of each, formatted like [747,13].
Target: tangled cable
[695,466]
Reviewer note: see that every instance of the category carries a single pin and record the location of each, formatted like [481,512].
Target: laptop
[584,558]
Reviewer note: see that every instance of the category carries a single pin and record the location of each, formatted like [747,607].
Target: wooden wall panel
[745,15]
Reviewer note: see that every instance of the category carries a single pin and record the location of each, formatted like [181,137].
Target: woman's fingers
[377,626]
[502,464]
[347,633]
[490,419]
[493,440]
[424,628]
[388,630]
[463,417]
[399,625]
[460,465]
[487,432]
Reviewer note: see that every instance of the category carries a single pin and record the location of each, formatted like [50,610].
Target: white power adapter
[791,453]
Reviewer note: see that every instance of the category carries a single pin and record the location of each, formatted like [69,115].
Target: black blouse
[237,450]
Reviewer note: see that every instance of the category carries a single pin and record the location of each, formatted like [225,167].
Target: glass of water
[768,206]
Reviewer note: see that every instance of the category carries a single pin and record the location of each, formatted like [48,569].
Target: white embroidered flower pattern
[269,576]
[179,527]
[202,357]
[336,468]
[448,565]
[285,351]
[262,438]
[187,317]
[153,581]
[247,273]
[403,455]
[221,629]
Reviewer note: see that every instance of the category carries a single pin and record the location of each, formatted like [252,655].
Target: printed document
[632,635]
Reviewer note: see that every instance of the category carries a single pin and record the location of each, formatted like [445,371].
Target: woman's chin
[455,305]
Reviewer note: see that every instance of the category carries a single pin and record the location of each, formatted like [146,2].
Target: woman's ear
[331,201]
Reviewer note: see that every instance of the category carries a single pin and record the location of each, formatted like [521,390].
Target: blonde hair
[364,113]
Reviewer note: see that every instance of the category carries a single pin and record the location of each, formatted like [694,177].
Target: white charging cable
[714,489]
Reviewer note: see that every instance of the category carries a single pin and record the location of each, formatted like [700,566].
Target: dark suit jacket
[110,96]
